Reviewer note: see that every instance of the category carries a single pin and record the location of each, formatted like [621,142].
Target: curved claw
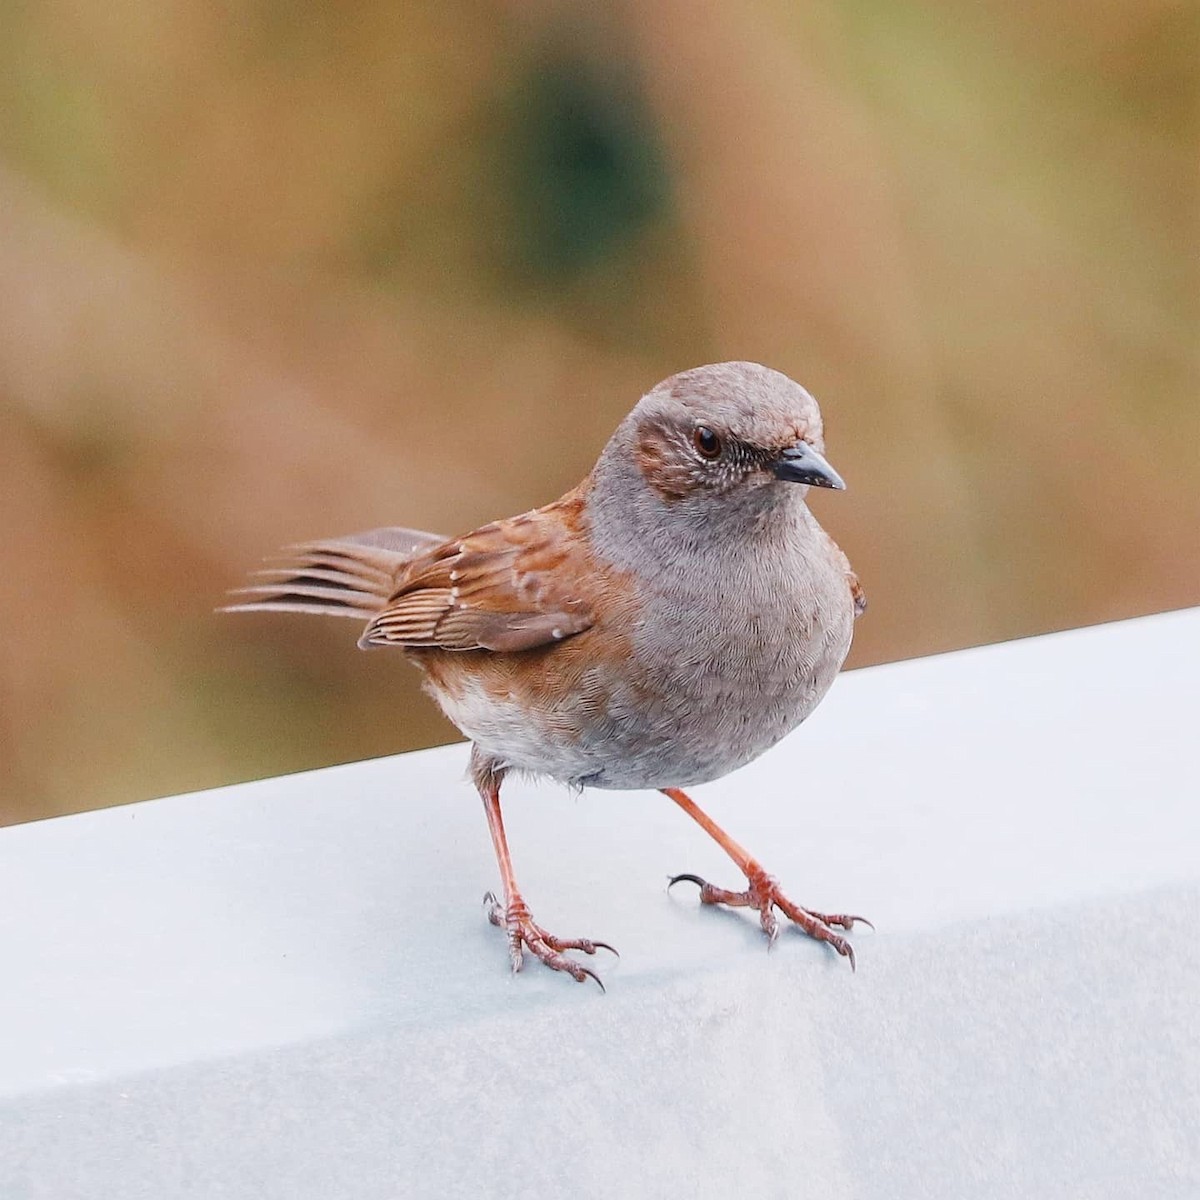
[674,879]
[606,946]
[770,924]
[845,921]
[817,926]
[593,975]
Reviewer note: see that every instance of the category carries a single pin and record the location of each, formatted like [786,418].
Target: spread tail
[352,576]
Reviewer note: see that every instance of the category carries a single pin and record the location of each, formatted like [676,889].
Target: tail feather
[326,572]
[352,576]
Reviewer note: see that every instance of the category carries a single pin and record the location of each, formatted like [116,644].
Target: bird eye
[707,444]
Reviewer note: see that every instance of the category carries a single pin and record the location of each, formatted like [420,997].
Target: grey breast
[736,646]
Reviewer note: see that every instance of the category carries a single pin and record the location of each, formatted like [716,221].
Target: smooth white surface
[288,989]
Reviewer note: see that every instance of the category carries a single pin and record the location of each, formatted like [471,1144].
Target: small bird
[663,623]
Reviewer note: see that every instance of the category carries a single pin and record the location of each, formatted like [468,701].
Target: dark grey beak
[802,464]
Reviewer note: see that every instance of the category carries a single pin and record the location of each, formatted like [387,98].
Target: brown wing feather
[860,597]
[506,587]
[857,595]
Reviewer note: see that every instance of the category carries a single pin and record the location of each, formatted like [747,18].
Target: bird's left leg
[513,916]
[762,892]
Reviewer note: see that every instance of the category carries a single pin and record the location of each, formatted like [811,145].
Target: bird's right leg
[513,915]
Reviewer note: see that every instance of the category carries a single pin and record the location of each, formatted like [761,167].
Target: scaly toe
[584,945]
[525,934]
[843,920]
[763,893]
[545,952]
[817,927]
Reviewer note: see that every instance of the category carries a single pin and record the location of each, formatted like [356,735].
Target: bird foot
[763,893]
[526,934]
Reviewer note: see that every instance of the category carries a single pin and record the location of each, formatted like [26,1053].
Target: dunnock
[661,624]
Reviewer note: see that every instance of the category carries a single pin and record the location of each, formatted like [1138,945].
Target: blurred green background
[273,271]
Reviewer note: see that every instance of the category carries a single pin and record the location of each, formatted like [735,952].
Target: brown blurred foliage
[270,271]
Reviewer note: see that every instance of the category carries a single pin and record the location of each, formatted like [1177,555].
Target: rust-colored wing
[856,589]
[508,586]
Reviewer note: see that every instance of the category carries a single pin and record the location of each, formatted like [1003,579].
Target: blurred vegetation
[272,271]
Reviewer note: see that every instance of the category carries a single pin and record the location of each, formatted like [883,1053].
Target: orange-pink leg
[514,916]
[762,892]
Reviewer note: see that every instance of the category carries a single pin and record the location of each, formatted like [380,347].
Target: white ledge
[288,988]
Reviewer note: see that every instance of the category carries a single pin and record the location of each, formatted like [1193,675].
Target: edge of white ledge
[288,988]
